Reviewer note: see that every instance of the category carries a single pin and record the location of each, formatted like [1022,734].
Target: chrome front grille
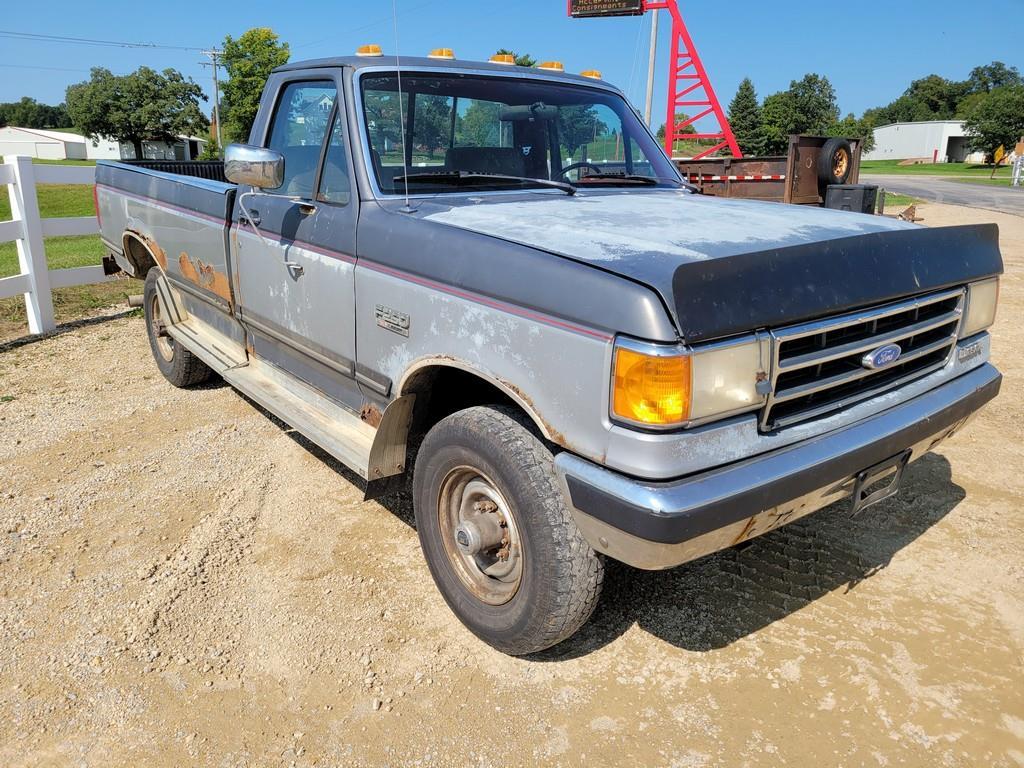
[817,366]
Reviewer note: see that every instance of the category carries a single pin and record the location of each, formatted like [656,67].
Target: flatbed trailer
[800,177]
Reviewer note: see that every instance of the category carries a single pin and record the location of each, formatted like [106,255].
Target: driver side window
[297,131]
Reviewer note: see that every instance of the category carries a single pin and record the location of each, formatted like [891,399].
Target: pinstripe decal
[476,298]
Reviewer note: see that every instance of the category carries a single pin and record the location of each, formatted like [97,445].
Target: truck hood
[726,266]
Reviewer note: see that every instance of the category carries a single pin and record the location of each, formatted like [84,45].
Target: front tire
[177,364]
[500,542]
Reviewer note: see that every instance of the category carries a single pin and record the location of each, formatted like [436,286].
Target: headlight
[982,298]
[662,386]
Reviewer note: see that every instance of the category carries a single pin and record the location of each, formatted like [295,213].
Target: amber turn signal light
[651,389]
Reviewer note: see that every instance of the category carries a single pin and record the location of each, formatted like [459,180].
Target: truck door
[295,277]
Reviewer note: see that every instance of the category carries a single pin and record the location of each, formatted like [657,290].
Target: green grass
[58,200]
[932,169]
[40,161]
[895,203]
[61,253]
[996,182]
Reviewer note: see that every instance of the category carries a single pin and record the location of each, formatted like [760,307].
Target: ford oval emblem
[881,357]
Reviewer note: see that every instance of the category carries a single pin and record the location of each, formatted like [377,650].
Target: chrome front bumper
[655,525]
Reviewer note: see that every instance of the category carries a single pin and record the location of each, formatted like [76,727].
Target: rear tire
[177,364]
[483,467]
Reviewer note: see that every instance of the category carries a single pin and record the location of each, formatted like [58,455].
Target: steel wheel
[840,162]
[480,535]
[164,344]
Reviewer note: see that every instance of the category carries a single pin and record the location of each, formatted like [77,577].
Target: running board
[332,427]
[212,348]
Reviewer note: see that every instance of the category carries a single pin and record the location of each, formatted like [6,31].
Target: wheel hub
[480,535]
[164,343]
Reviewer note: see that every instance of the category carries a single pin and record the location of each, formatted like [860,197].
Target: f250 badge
[392,320]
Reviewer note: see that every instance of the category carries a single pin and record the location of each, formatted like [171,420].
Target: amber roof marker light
[593,74]
[441,53]
[552,66]
[369,50]
[503,58]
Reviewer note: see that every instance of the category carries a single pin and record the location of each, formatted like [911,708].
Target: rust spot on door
[205,276]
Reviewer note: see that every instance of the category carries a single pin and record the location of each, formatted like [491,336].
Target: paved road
[939,190]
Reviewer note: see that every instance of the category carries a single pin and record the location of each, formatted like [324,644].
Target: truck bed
[200,169]
[180,213]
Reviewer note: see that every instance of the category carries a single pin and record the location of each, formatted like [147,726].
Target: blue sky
[870,56]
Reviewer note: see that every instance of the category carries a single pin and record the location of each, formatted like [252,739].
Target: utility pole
[650,69]
[213,53]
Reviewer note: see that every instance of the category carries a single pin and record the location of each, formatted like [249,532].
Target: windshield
[473,133]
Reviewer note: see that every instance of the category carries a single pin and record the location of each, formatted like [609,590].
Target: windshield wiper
[634,178]
[458,177]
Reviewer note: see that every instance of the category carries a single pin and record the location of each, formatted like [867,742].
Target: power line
[90,41]
[52,69]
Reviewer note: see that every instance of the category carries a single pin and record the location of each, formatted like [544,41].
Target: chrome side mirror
[253,166]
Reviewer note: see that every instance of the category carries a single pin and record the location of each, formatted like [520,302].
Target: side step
[335,429]
[212,348]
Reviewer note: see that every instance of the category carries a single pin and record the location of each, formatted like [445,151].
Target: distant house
[939,141]
[62,145]
[35,142]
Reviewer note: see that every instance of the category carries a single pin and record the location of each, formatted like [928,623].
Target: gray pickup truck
[493,278]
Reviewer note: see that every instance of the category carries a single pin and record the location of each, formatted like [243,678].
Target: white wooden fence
[28,229]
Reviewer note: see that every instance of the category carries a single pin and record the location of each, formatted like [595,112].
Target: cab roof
[422,62]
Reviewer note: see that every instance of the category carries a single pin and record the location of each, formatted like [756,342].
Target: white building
[938,141]
[61,145]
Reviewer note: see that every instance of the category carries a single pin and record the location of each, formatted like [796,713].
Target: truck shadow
[67,327]
[713,602]
[719,599]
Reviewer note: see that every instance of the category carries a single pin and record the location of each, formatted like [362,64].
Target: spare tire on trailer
[835,163]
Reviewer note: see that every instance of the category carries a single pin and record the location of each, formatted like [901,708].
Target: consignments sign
[587,8]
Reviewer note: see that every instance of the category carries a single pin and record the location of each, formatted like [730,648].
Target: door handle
[295,268]
[307,208]
[254,218]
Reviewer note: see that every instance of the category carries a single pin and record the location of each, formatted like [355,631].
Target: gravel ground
[184,581]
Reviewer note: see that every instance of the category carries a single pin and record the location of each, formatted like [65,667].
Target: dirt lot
[185,582]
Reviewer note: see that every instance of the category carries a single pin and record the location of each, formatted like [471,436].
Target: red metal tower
[689,88]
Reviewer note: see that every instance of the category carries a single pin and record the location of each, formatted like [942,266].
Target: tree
[815,101]
[211,150]
[522,60]
[578,125]
[248,62]
[998,120]
[433,121]
[809,106]
[480,126]
[852,128]
[778,121]
[29,113]
[142,106]
[937,95]
[745,119]
[987,78]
